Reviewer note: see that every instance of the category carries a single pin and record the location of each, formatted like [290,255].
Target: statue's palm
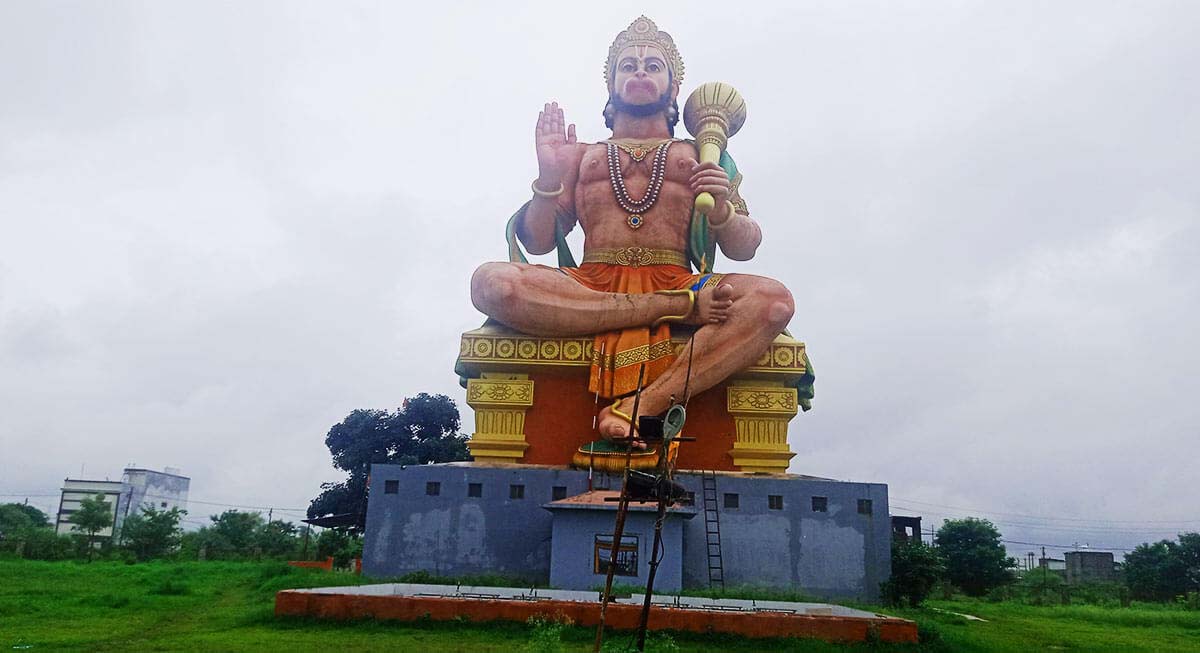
[554,140]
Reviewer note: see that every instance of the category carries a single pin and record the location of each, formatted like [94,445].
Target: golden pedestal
[761,411]
[739,425]
[500,401]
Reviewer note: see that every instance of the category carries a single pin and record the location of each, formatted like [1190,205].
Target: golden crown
[643,31]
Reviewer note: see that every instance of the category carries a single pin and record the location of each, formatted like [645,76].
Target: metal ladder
[712,529]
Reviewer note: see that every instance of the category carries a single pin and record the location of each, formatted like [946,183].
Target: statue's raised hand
[554,145]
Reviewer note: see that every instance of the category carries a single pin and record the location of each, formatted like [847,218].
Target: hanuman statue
[633,195]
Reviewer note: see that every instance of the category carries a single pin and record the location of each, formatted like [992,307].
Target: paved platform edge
[619,616]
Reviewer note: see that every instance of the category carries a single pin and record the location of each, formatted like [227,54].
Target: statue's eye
[653,68]
[626,67]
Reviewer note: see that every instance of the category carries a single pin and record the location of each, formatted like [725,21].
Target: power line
[1050,518]
[1062,528]
[1092,547]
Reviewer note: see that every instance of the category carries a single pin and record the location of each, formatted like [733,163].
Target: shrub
[41,544]
[916,568]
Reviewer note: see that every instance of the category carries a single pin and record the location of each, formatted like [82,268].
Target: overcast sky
[225,226]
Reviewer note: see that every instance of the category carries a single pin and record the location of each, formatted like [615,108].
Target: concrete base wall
[840,552]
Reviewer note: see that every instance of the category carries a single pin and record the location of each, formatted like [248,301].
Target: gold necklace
[639,151]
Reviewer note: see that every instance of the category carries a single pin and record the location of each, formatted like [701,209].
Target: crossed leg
[738,320]
[545,302]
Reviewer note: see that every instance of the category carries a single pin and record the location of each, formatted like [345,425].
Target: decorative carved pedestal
[761,411]
[500,401]
[739,425]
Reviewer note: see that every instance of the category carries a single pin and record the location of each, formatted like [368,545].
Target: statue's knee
[493,285]
[778,302]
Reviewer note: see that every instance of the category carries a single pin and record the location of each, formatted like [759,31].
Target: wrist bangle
[547,194]
[729,218]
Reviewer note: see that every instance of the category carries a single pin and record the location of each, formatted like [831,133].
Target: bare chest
[596,166]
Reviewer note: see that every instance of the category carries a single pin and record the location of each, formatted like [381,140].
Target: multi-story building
[162,490]
[74,491]
[137,489]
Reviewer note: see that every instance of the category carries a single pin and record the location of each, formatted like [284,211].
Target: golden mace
[713,112]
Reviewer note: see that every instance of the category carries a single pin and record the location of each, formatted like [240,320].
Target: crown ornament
[643,31]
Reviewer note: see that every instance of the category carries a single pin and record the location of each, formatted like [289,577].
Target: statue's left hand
[710,178]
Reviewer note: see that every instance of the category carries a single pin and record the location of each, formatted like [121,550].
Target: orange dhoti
[617,355]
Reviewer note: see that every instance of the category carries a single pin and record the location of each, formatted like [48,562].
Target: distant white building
[137,489]
[75,491]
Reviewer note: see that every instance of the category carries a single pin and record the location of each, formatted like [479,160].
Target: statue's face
[641,75]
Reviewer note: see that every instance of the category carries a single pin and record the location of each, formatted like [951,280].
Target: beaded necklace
[658,172]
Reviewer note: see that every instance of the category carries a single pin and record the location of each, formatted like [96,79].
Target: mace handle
[709,153]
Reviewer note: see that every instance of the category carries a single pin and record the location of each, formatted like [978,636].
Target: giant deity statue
[648,249]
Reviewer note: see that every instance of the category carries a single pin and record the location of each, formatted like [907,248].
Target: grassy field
[217,606]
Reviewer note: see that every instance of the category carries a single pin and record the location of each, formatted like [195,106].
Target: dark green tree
[152,533]
[232,534]
[277,539]
[1163,570]
[916,567]
[1188,555]
[423,430]
[339,544]
[16,517]
[975,558]
[93,516]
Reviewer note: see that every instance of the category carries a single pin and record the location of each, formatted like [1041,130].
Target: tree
[94,514]
[423,430]
[16,517]
[232,534]
[152,533]
[1165,569]
[916,567]
[339,544]
[1188,555]
[276,539]
[975,558]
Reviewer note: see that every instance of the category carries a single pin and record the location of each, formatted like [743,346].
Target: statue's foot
[613,423]
[712,305]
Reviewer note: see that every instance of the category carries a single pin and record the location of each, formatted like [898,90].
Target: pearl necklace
[658,172]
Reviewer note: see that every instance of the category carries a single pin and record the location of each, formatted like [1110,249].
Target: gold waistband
[636,257]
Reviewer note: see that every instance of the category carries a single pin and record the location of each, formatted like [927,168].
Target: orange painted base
[560,421]
[619,616]
[326,564]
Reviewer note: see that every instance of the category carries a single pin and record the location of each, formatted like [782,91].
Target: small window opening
[516,491]
[391,487]
[775,501]
[558,492]
[433,488]
[731,500]
[864,506]
[820,504]
[474,489]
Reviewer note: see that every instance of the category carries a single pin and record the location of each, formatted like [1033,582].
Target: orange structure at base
[326,564]
[619,616]
[532,404]
[560,421]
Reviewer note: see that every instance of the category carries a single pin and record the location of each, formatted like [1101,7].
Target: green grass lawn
[217,606]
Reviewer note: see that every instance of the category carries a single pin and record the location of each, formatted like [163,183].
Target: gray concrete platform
[538,594]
